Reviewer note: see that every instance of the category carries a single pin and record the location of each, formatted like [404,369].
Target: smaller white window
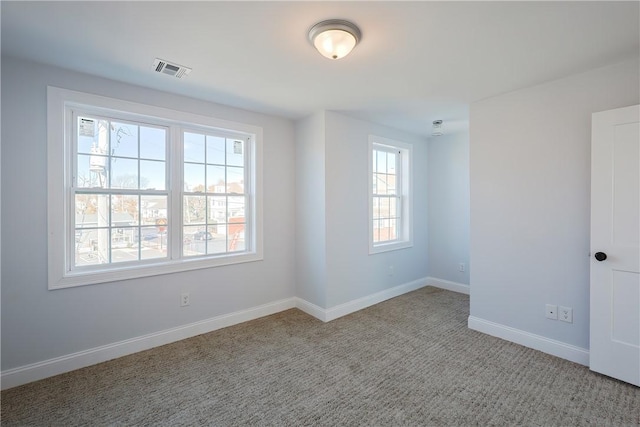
[390,197]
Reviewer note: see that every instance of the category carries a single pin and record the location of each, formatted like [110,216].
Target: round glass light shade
[334,44]
[334,38]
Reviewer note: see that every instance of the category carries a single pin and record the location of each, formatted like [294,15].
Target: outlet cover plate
[565,314]
[185,299]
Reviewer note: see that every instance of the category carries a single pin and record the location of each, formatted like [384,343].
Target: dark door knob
[601,256]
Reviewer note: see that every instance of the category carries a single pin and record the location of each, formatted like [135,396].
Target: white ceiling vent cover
[172,69]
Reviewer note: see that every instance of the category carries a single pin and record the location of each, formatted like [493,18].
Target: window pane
[235,152]
[393,207]
[125,211]
[384,230]
[122,241]
[235,180]
[384,207]
[381,183]
[193,177]
[217,209]
[91,171]
[92,247]
[155,247]
[194,210]
[194,241]
[153,243]
[382,161]
[82,245]
[87,131]
[215,150]
[152,175]
[393,229]
[218,242]
[235,232]
[154,210]
[124,140]
[235,209]
[84,178]
[91,210]
[392,187]
[374,160]
[215,179]
[391,163]
[193,147]
[124,173]
[376,230]
[153,143]
[376,207]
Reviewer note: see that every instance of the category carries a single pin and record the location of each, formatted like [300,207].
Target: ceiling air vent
[172,69]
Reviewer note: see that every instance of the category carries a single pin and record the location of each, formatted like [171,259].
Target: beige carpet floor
[407,361]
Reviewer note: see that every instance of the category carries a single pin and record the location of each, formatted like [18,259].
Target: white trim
[329,314]
[448,285]
[527,339]
[40,370]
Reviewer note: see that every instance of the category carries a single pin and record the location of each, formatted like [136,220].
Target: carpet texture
[407,361]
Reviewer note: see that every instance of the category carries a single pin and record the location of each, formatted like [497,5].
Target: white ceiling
[417,62]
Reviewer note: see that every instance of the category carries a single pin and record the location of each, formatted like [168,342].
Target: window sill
[83,278]
[388,247]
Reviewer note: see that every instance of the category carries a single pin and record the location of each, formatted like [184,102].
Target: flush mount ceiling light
[334,38]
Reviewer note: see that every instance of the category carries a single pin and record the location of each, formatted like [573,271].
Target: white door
[615,238]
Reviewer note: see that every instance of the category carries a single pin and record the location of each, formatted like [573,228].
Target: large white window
[136,190]
[390,222]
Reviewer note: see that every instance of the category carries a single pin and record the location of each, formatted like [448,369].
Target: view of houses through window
[121,193]
[386,194]
[120,201]
[390,197]
[214,198]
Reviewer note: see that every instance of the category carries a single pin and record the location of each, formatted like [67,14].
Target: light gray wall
[530,203]
[38,324]
[311,260]
[448,172]
[351,272]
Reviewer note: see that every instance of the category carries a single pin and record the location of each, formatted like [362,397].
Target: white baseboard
[329,314]
[48,368]
[59,365]
[448,285]
[311,309]
[527,339]
[364,302]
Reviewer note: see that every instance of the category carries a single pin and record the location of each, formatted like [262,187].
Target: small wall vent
[172,69]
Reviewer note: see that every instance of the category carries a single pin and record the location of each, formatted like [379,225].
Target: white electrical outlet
[461,267]
[185,299]
[552,311]
[565,314]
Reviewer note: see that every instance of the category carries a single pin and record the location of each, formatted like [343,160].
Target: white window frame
[405,229]
[60,162]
